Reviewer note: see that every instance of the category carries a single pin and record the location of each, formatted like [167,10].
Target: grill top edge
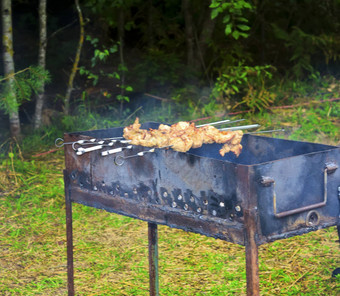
[256,149]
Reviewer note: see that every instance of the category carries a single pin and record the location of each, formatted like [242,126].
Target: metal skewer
[113,139]
[59,142]
[116,150]
[241,127]
[144,152]
[82,150]
[269,131]
[227,121]
[84,142]
[119,160]
[236,120]
[213,123]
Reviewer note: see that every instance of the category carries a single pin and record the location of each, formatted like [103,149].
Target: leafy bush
[236,24]
[115,77]
[246,83]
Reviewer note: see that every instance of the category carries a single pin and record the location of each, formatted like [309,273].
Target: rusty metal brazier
[275,189]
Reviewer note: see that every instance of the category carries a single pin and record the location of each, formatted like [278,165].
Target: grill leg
[69,236]
[153,259]
[336,271]
[252,264]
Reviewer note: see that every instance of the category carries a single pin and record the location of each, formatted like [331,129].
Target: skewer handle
[116,150]
[82,150]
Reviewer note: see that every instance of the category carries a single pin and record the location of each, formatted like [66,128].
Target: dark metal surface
[301,184]
[69,237]
[153,259]
[252,264]
[199,191]
[274,189]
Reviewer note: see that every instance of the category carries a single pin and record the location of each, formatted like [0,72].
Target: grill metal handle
[267,181]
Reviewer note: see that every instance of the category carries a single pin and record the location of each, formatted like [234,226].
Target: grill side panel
[180,190]
[290,203]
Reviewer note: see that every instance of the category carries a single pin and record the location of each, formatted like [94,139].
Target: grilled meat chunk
[183,136]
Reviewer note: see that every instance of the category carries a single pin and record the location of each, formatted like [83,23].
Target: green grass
[110,251]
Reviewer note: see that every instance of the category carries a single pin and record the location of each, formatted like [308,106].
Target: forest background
[166,59]
[92,64]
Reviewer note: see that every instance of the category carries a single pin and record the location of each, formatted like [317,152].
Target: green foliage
[236,24]
[247,82]
[197,102]
[304,46]
[101,54]
[26,83]
[100,57]
[315,124]
[108,10]
[159,69]
[257,99]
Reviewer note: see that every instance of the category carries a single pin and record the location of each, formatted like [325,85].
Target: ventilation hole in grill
[222,205]
[192,199]
[126,194]
[111,192]
[186,207]
[165,194]
[103,184]
[117,187]
[312,218]
[214,213]
[134,190]
[174,204]
[149,192]
[81,184]
[180,197]
[199,210]
[95,188]
[205,202]
[231,217]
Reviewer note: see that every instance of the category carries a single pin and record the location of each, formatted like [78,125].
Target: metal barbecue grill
[275,189]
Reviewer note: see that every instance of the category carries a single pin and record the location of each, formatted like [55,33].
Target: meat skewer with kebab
[183,136]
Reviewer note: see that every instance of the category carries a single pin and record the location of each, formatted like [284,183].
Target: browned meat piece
[183,136]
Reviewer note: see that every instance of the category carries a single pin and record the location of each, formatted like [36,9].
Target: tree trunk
[121,21]
[7,41]
[76,60]
[40,97]
[189,32]
[204,38]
